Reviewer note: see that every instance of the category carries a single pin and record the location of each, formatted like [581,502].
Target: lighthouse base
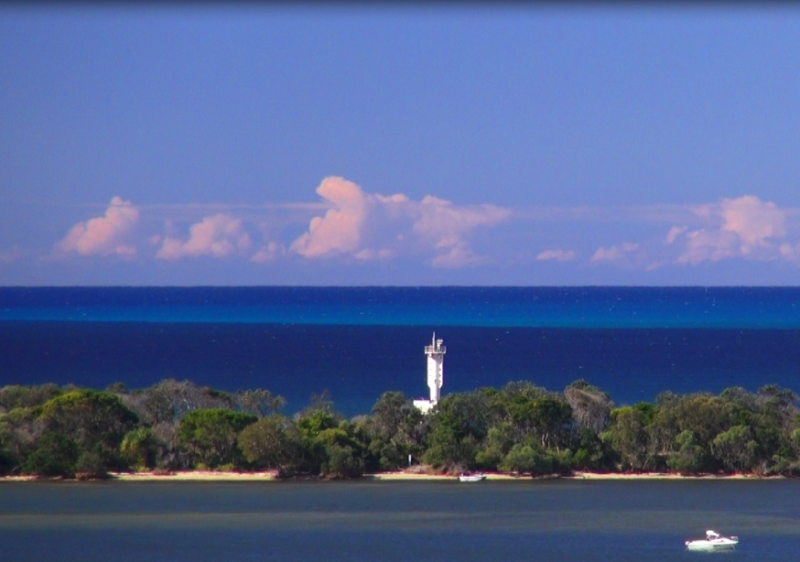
[424,406]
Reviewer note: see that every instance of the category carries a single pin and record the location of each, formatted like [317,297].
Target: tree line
[49,430]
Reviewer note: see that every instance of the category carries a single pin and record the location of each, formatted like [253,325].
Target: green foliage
[313,422]
[273,442]
[18,396]
[55,455]
[520,427]
[736,448]
[7,460]
[592,453]
[458,425]
[259,402]
[92,464]
[95,421]
[342,462]
[89,417]
[18,433]
[690,457]
[496,446]
[209,437]
[527,458]
[140,448]
[344,453]
[628,437]
[395,430]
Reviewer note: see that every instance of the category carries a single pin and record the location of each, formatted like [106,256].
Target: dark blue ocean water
[358,342]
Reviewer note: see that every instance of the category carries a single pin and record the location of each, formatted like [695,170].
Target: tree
[690,457]
[20,429]
[527,458]
[140,448]
[273,442]
[18,396]
[591,408]
[209,437]
[344,455]
[735,448]
[499,441]
[95,420]
[55,455]
[592,453]
[458,425]
[705,416]
[259,402]
[395,430]
[551,419]
[628,437]
[318,416]
[170,400]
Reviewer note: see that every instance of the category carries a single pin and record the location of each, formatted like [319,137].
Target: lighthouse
[435,353]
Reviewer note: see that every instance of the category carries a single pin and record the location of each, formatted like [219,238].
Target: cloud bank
[349,225]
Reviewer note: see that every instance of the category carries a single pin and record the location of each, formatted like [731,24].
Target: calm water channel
[399,521]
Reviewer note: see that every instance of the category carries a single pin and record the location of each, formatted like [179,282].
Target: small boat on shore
[713,541]
[466,477]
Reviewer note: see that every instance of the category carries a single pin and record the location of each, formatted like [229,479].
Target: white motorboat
[713,541]
[471,477]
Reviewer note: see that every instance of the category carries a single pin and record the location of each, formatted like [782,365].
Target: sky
[405,144]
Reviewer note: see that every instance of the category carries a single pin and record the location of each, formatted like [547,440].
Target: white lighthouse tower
[435,353]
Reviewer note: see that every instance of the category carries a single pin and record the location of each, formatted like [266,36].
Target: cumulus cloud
[218,236]
[614,253]
[373,226]
[558,255]
[743,227]
[752,221]
[340,229]
[106,235]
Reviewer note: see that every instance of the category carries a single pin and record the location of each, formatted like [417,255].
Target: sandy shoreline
[212,476]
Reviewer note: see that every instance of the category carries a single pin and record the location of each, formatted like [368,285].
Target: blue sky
[400,145]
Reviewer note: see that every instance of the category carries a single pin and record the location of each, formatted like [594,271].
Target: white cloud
[446,227]
[743,227]
[752,221]
[614,253]
[218,236]
[674,233]
[340,230]
[558,255]
[106,235]
[373,226]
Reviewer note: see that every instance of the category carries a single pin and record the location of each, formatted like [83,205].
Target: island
[179,430]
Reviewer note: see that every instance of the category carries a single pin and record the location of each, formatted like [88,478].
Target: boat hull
[712,545]
[471,478]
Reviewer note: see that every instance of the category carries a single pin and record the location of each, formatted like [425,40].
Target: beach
[231,476]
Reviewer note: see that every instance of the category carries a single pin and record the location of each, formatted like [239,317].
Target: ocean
[357,342]
[521,521]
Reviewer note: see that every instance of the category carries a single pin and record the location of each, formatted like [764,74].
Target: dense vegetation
[49,430]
